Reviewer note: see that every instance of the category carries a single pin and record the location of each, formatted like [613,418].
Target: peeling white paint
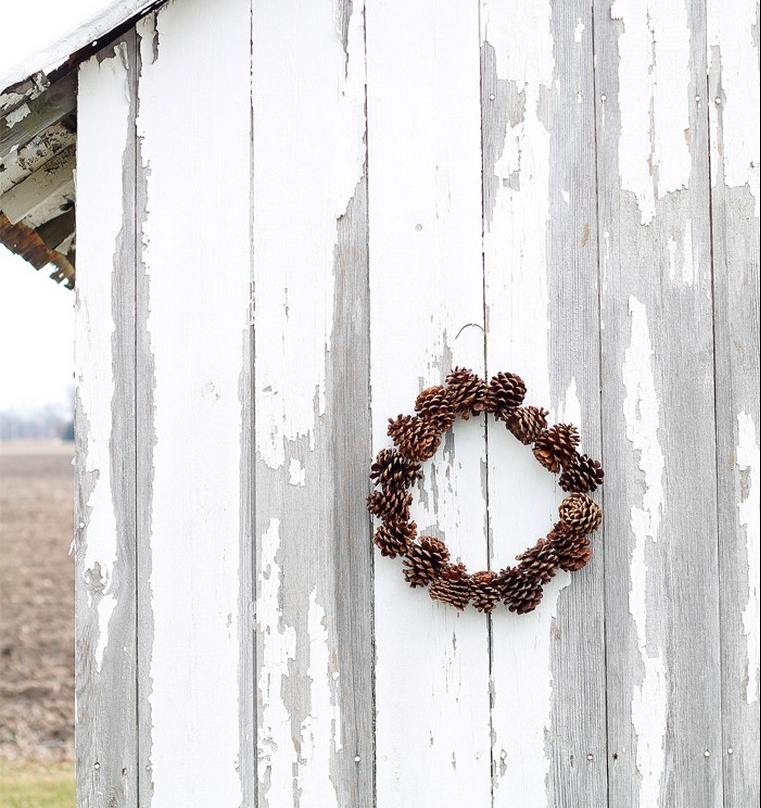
[103,102]
[681,265]
[649,700]
[295,233]
[196,501]
[275,752]
[579,30]
[731,29]
[748,467]
[654,53]
[297,473]
[18,115]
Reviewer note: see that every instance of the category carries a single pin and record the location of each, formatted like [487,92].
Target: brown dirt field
[36,601]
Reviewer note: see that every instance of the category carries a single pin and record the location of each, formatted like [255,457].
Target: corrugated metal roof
[38,141]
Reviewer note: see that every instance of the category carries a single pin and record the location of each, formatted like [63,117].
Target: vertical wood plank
[540,265]
[106,717]
[426,297]
[194,336]
[658,406]
[733,103]
[312,437]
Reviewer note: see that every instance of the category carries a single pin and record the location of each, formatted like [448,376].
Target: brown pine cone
[453,586]
[486,592]
[394,538]
[424,561]
[573,552]
[434,405]
[579,514]
[391,470]
[540,561]
[521,592]
[506,392]
[581,475]
[556,446]
[416,438]
[527,423]
[390,505]
[467,392]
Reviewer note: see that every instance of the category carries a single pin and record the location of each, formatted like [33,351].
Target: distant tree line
[45,423]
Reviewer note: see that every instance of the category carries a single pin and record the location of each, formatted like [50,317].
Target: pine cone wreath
[540,561]
[506,392]
[582,475]
[527,423]
[416,438]
[433,405]
[579,514]
[394,538]
[556,446]
[521,592]
[573,551]
[468,392]
[485,591]
[453,586]
[390,505]
[424,561]
[392,470]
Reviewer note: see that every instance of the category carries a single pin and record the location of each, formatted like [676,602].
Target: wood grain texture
[540,265]
[733,105]
[432,664]
[105,558]
[194,334]
[662,604]
[312,438]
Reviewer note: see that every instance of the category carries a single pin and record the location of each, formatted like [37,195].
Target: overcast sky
[36,328]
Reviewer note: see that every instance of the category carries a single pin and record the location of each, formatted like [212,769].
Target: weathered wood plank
[312,442]
[540,264]
[33,117]
[662,597]
[733,105]
[56,231]
[194,335]
[106,728]
[52,178]
[432,669]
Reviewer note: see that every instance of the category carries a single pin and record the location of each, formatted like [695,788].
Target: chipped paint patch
[297,473]
[18,115]
[679,246]
[733,43]
[748,512]
[654,52]
[649,700]
[103,83]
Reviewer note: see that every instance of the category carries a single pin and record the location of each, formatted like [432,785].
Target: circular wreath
[426,559]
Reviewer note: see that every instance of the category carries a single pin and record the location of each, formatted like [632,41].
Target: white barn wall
[289,221]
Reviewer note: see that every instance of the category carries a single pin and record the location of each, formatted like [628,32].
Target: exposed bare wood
[55,176]
[24,241]
[55,231]
[33,117]
[17,165]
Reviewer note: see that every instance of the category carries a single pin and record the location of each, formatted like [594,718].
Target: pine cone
[416,438]
[467,392]
[390,505]
[556,446]
[540,561]
[506,392]
[433,404]
[391,470]
[573,552]
[521,592]
[394,538]
[527,423]
[424,561]
[581,475]
[453,586]
[486,592]
[579,514]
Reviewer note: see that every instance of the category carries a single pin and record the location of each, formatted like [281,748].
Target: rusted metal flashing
[26,242]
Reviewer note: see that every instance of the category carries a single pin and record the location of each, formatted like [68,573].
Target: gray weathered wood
[51,179]
[33,117]
[56,231]
[662,603]
[106,736]
[733,95]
